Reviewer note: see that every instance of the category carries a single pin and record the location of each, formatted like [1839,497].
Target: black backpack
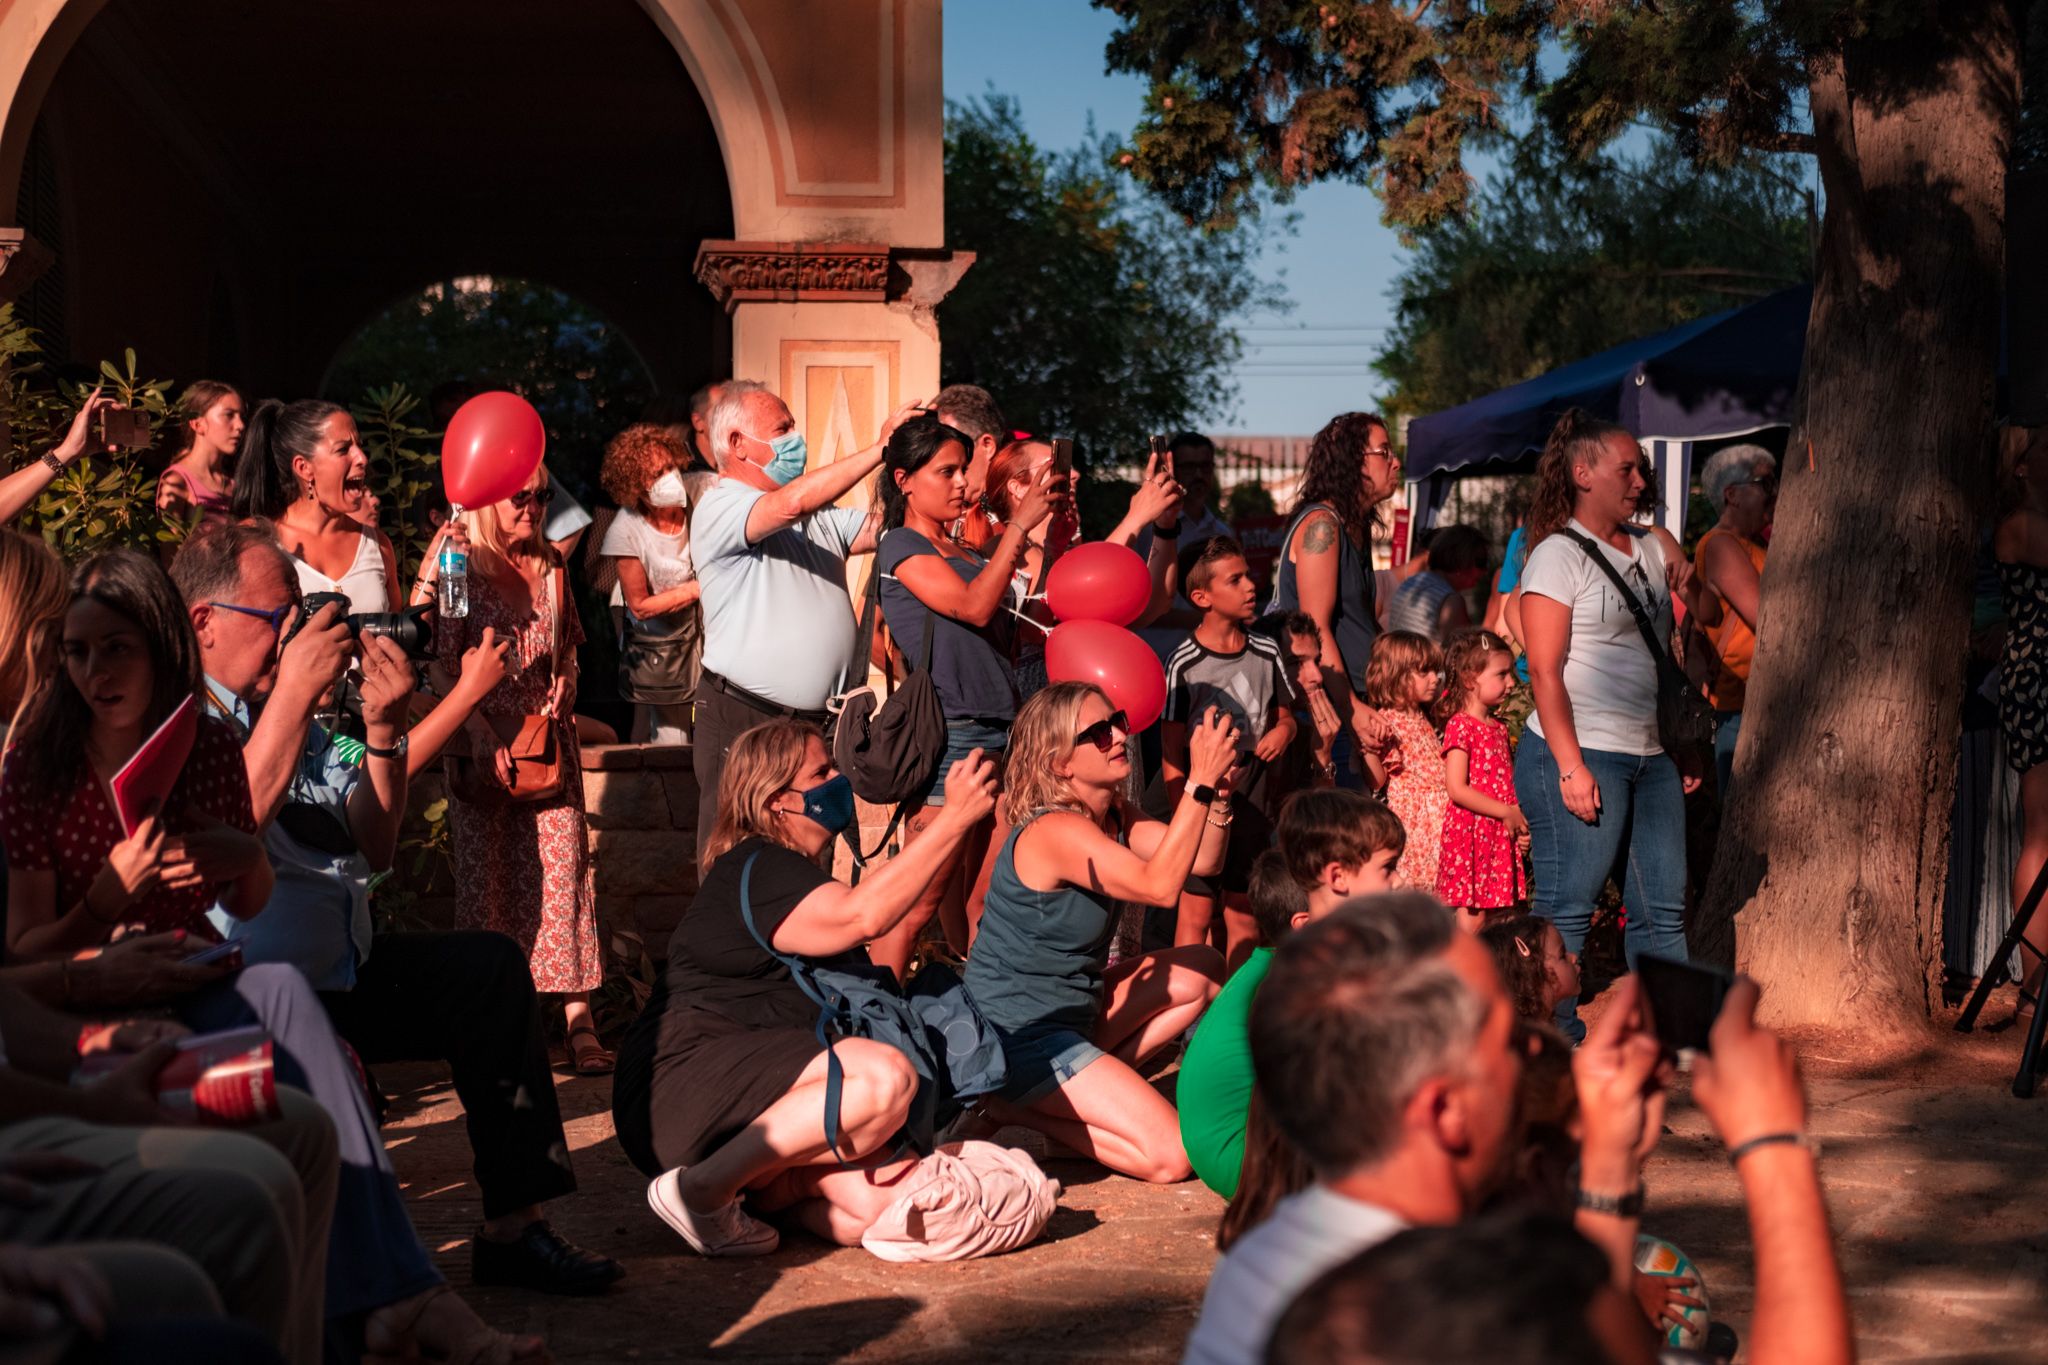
[888,747]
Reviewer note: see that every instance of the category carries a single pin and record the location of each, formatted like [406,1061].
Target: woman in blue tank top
[1073,1029]
[1325,566]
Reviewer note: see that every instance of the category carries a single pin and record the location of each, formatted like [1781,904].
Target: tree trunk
[1833,863]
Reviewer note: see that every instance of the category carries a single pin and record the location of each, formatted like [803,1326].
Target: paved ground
[1936,1177]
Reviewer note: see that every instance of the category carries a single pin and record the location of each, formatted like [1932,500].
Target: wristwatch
[1204,794]
[1166,533]
[1620,1206]
[396,751]
[56,465]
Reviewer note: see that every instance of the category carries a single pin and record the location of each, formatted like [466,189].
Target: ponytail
[1574,440]
[276,434]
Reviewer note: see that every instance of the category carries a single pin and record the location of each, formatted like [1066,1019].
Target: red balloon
[1098,582]
[1115,660]
[494,443]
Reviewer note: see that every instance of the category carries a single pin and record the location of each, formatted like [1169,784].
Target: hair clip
[1522,948]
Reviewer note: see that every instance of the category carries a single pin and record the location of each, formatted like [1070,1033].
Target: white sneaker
[728,1232]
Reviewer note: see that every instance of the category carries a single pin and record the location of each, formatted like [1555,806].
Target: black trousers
[718,720]
[467,998]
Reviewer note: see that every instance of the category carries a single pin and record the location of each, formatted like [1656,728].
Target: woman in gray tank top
[1325,566]
[1073,1029]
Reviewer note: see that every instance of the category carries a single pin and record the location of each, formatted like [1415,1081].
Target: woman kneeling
[1074,1029]
[721,1084]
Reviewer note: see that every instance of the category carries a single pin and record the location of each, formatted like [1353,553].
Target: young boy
[1333,845]
[1315,715]
[1223,666]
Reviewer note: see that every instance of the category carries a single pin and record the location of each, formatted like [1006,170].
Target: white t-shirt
[1307,1233]
[777,618]
[1608,671]
[664,557]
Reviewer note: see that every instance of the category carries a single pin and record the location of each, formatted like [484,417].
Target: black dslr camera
[411,630]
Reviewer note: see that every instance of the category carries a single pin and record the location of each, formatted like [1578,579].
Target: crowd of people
[1331,883]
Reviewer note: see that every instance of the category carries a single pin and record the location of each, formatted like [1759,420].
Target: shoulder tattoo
[1319,535]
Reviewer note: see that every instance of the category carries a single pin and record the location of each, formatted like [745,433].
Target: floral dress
[1415,792]
[524,870]
[1480,868]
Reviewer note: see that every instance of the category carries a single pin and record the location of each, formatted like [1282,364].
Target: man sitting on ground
[330,818]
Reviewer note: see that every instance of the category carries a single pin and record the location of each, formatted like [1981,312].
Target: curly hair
[1335,473]
[1464,660]
[1396,656]
[1576,439]
[636,457]
[1040,737]
[1518,950]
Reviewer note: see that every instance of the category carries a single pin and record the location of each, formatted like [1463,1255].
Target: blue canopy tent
[1727,374]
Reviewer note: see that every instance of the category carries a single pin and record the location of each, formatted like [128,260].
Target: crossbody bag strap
[835,1074]
[557,581]
[1658,654]
[864,635]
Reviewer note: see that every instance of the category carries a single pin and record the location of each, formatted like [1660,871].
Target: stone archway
[814,218]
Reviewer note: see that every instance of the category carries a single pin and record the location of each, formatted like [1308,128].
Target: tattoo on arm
[1318,536]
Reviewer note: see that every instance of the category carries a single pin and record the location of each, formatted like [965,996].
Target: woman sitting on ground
[1074,1030]
[722,1082]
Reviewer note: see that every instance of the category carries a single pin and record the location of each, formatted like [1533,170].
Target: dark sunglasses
[529,497]
[1103,733]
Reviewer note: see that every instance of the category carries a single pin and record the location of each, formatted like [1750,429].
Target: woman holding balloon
[930,582]
[522,862]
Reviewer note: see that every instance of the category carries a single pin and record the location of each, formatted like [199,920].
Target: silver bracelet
[1570,775]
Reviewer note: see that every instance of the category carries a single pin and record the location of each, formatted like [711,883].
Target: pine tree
[1833,863]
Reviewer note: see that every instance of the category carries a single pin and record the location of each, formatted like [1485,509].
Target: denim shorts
[962,738]
[1042,1058]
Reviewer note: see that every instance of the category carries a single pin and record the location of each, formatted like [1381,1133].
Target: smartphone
[1683,998]
[1062,456]
[124,428]
[1164,450]
[228,953]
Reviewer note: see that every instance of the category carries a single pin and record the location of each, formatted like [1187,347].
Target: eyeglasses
[274,619]
[532,497]
[1103,733]
[1767,482]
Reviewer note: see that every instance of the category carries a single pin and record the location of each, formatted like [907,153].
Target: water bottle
[454,580]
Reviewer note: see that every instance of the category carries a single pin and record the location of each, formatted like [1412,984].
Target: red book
[221,1079]
[145,780]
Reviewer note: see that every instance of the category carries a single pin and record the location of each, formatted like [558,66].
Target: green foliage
[104,501]
[402,461]
[1561,257]
[1247,502]
[574,367]
[1089,313]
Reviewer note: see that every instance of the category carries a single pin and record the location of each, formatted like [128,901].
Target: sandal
[385,1339]
[595,1060]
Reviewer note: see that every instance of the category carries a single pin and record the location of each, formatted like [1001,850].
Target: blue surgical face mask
[791,455]
[830,805]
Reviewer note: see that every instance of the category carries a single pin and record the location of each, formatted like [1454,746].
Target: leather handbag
[532,741]
[1685,722]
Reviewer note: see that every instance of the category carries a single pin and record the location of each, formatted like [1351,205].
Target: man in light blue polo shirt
[771,554]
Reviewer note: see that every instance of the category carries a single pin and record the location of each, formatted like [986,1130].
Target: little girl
[1406,672]
[1479,869]
[1534,966]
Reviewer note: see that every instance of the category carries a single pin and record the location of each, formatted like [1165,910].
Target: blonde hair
[1040,739]
[490,548]
[758,768]
[1395,656]
[34,592]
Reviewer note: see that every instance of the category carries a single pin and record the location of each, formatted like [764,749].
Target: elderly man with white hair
[771,554]
[1742,483]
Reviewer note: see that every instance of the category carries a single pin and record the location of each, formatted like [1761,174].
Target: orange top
[1734,642]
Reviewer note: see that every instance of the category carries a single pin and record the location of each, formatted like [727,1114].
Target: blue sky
[1337,266]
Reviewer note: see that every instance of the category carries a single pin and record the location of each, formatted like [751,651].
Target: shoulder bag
[1685,722]
[932,1022]
[533,741]
[889,746]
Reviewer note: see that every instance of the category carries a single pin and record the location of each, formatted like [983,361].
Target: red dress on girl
[1415,792]
[74,838]
[1479,867]
[524,870]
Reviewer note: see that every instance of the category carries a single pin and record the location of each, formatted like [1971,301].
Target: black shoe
[539,1259]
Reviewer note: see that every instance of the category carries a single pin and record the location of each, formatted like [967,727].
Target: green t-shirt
[1216,1079]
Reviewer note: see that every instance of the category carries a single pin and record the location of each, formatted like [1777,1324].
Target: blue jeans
[963,737]
[1642,813]
[1727,725]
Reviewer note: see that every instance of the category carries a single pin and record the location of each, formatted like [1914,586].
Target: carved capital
[791,272]
[22,260]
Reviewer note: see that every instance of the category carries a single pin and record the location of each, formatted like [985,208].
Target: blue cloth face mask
[830,805]
[791,455]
